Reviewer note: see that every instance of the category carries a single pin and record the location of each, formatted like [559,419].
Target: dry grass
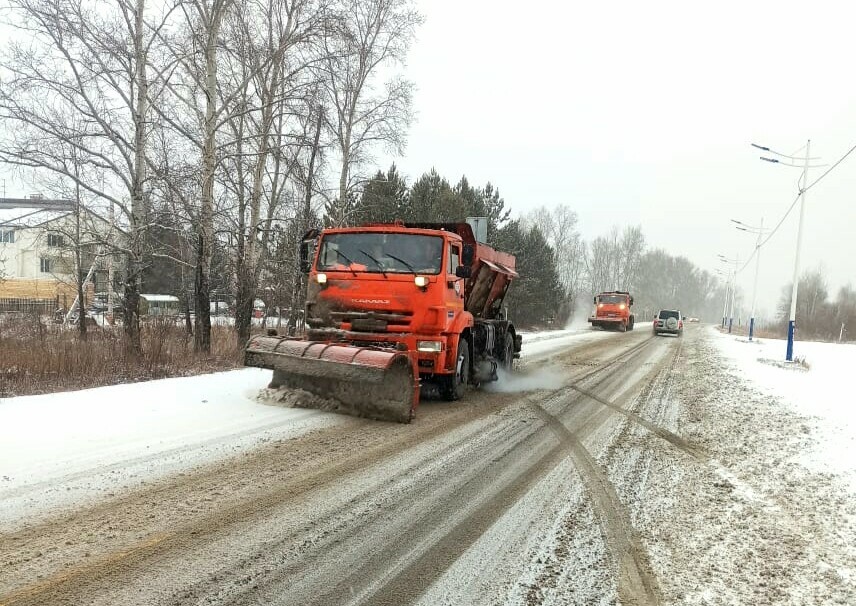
[38,357]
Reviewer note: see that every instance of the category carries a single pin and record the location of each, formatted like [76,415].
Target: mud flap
[366,382]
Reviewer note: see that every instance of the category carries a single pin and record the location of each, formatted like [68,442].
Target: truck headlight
[321,278]
[421,281]
[622,306]
[432,346]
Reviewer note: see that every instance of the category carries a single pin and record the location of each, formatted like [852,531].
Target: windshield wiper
[345,257]
[403,262]
[379,266]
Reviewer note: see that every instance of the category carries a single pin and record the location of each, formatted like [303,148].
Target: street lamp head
[760,147]
[773,160]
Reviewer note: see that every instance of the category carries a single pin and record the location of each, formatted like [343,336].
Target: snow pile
[823,393]
[546,335]
[77,444]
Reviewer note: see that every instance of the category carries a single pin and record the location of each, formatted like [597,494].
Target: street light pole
[755,285]
[732,278]
[760,231]
[789,355]
[733,297]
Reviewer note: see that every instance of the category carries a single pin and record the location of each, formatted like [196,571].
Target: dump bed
[492,272]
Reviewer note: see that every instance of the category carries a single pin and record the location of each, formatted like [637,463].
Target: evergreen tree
[385,198]
[536,298]
[432,200]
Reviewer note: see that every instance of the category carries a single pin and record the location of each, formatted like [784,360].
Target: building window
[7,236]
[56,240]
[46,265]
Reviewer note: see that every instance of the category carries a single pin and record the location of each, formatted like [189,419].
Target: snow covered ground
[824,392]
[543,342]
[66,448]
[56,449]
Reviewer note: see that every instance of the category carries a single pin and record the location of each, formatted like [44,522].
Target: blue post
[789,356]
[751,327]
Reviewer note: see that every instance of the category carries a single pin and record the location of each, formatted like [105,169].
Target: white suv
[669,321]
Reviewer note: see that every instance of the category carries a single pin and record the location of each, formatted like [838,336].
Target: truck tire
[632,323]
[453,387]
[508,352]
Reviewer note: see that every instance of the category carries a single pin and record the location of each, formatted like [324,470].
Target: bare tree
[559,226]
[362,38]
[266,133]
[79,79]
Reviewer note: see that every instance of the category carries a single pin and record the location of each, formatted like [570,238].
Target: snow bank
[824,393]
[96,439]
[543,342]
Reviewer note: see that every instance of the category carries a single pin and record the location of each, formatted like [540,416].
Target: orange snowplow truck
[391,307]
[612,311]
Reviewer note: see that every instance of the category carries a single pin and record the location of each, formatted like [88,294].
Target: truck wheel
[632,323]
[508,352]
[454,386]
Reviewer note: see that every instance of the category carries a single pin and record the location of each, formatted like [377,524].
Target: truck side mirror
[305,264]
[594,300]
[631,300]
[463,271]
[468,255]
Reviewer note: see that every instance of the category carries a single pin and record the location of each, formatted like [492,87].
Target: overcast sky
[643,113]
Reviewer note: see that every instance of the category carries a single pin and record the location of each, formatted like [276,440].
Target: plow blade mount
[363,381]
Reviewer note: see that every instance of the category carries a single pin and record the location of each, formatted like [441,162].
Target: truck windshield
[612,299]
[381,253]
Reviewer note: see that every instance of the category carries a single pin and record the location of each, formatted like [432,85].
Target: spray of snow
[582,311]
[515,382]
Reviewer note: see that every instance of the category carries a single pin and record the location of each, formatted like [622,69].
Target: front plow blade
[364,381]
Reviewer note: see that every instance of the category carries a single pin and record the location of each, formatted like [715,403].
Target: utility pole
[789,354]
[761,232]
[792,161]
[755,281]
[733,280]
[725,301]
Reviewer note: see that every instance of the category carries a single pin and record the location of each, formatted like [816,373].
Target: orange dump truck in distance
[612,311]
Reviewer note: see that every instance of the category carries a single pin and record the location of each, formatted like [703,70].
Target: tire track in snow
[636,582]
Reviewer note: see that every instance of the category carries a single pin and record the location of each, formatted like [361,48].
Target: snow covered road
[614,468]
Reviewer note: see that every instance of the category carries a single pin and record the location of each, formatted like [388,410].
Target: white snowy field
[823,393]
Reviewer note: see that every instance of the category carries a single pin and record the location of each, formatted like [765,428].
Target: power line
[770,235]
[793,204]
[840,160]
